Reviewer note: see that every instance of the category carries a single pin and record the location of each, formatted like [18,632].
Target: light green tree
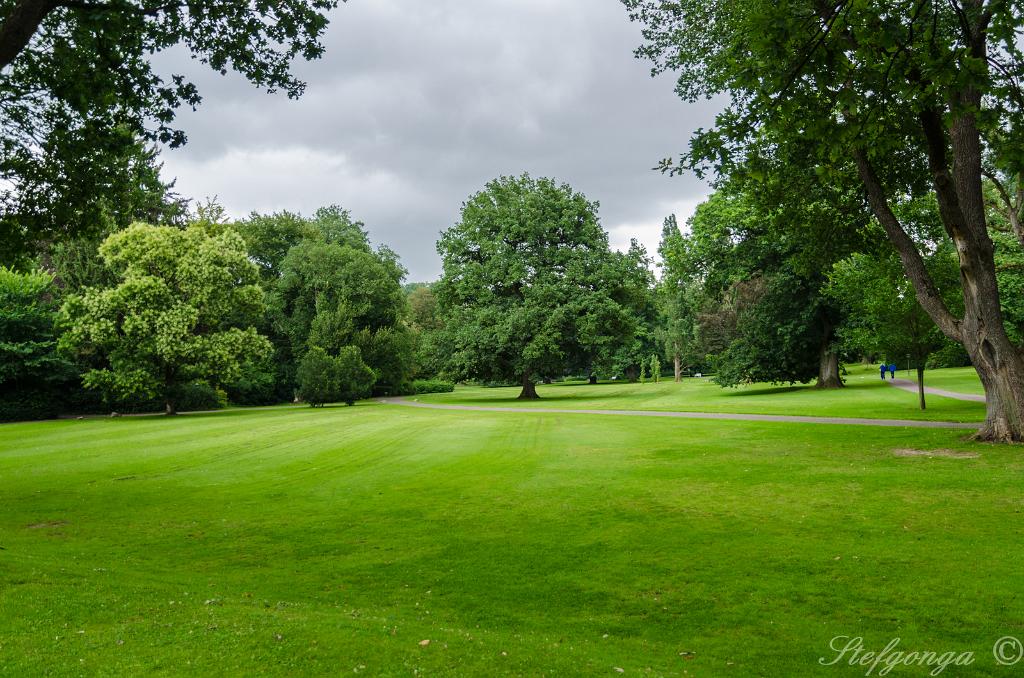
[181,311]
[655,369]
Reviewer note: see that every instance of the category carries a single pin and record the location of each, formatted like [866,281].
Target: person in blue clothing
[882,368]
[892,371]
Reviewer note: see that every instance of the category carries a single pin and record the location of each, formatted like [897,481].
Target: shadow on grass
[773,390]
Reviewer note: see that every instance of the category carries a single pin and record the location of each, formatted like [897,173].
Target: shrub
[317,377]
[432,386]
[24,405]
[354,378]
[199,395]
[324,379]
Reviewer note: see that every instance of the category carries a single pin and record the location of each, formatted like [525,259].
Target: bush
[355,380]
[199,396]
[324,379]
[25,405]
[432,386]
[318,377]
[256,385]
[952,354]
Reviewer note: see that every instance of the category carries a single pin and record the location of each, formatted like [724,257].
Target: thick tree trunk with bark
[169,407]
[19,25]
[920,384]
[1001,370]
[828,370]
[677,366]
[828,362]
[529,391]
[958,189]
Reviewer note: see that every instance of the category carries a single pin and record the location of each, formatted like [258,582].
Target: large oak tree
[530,286]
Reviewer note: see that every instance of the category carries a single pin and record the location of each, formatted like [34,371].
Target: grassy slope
[959,379]
[295,542]
[864,396]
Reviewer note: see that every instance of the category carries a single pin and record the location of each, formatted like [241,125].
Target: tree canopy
[530,286]
[181,311]
[80,93]
[911,97]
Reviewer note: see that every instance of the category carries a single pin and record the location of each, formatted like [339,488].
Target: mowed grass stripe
[354,533]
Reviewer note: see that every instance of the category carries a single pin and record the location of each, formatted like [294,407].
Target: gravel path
[846,421]
[908,385]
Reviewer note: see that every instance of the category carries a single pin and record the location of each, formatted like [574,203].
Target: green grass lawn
[959,379]
[333,542]
[865,395]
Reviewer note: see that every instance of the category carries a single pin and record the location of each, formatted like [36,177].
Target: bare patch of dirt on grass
[949,454]
[51,523]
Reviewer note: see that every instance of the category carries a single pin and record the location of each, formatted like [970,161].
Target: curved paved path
[908,385]
[846,421]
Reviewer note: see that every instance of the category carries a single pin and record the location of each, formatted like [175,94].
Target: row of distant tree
[199,310]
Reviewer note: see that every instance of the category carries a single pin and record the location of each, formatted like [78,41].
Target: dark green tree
[355,378]
[317,378]
[334,290]
[31,371]
[79,90]
[530,287]
[764,315]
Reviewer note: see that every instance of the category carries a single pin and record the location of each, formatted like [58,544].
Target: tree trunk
[529,391]
[20,24]
[828,362]
[1001,370]
[677,366]
[958,190]
[169,407]
[920,384]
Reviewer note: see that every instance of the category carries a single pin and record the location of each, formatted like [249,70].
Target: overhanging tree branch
[20,25]
[927,293]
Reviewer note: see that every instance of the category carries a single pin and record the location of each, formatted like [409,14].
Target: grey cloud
[417,105]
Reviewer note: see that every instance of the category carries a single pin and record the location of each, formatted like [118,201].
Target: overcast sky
[416,105]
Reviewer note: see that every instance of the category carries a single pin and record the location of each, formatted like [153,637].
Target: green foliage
[335,291]
[744,294]
[324,379]
[679,296]
[318,377]
[432,386]
[885,318]
[181,311]
[530,287]
[80,89]
[767,331]
[355,378]
[655,369]
[31,371]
